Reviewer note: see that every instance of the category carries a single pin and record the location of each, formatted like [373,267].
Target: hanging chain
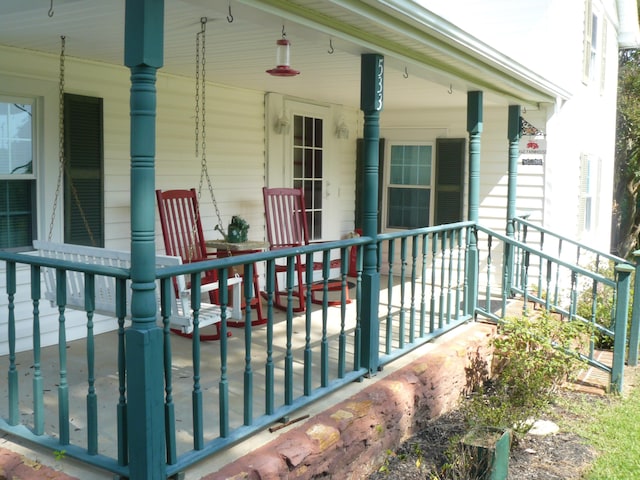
[60,136]
[201,114]
[63,166]
[204,173]
[197,129]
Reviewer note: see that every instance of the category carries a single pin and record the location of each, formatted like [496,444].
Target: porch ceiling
[425,57]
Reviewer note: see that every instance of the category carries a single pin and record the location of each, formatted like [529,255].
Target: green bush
[602,309]
[533,355]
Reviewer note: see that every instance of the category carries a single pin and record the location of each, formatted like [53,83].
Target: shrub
[533,355]
[602,309]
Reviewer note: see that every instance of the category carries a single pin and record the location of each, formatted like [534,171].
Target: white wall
[236,159]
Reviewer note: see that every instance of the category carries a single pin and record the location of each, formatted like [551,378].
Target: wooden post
[474,127]
[371,99]
[144,39]
[513,134]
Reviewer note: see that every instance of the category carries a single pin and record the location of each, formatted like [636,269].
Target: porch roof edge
[412,12]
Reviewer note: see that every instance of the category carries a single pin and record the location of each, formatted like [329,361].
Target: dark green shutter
[450,159]
[83,185]
[359,182]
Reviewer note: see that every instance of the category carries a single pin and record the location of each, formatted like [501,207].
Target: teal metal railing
[426,286]
[224,391]
[544,280]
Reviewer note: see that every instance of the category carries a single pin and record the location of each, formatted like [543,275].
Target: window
[408,195]
[17,175]
[588,208]
[308,149]
[594,46]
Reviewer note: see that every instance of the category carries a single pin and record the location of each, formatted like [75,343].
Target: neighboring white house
[555,58]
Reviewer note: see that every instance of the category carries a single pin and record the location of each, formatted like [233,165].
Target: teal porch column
[513,135]
[371,96]
[144,342]
[474,127]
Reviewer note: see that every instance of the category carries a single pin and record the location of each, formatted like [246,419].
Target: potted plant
[237,230]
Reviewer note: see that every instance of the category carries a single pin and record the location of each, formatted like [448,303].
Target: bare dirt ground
[559,456]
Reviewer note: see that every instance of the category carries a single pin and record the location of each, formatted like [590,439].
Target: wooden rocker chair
[183,237]
[286,219]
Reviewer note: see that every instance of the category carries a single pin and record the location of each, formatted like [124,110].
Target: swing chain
[200,126]
[201,114]
[63,166]
[60,135]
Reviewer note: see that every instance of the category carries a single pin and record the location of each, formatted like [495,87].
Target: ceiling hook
[524,110]
[331,49]
[50,13]
[406,73]
[450,91]
[230,16]
[284,34]
[203,23]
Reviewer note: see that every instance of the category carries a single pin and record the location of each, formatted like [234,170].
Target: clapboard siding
[235,147]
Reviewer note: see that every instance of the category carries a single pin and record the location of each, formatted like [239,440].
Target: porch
[76,396]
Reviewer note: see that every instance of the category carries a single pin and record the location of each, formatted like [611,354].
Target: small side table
[226,249]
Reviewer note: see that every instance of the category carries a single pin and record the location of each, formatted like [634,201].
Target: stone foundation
[350,439]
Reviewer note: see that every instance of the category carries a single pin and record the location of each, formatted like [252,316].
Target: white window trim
[387,184]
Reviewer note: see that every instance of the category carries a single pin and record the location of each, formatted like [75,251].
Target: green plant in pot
[237,230]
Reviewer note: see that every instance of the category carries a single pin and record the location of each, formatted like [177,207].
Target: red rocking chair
[286,219]
[183,237]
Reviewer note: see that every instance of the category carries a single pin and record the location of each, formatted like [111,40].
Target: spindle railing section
[225,391]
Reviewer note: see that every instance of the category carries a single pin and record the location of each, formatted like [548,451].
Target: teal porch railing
[547,281]
[255,377]
[222,392]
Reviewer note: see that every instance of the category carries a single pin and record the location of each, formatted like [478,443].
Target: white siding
[235,147]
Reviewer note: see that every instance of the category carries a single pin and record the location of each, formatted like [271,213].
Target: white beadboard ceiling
[418,63]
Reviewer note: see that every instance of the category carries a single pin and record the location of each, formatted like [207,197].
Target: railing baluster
[414,277]
[248,368]
[288,359]
[92,399]
[121,310]
[594,307]
[450,275]
[38,388]
[525,281]
[196,394]
[540,265]
[63,388]
[14,406]
[443,261]
[432,301]
[269,393]
[459,273]
[548,288]
[506,275]
[423,284]
[489,272]
[166,294]
[357,337]
[556,292]
[223,383]
[403,272]
[324,344]
[308,351]
[574,295]
[389,330]
[342,337]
